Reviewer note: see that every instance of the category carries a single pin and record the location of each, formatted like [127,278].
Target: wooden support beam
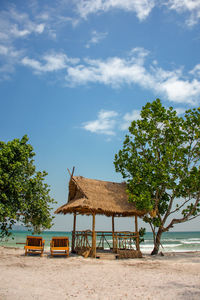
[93,237]
[113,232]
[113,223]
[137,234]
[73,234]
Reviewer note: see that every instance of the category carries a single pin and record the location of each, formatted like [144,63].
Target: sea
[171,241]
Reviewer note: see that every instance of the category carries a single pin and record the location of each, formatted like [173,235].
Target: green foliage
[160,160]
[24,196]
[142,233]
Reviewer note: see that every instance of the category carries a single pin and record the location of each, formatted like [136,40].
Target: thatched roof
[88,196]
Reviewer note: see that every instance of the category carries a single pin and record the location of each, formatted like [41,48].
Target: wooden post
[113,232]
[93,237]
[137,234]
[74,234]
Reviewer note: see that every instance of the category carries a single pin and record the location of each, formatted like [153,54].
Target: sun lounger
[59,246]
[34,244]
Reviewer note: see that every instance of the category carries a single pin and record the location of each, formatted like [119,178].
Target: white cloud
[14,25]
[142,8]
[138,54]
[128,118]
[10,53]
[43,16]
[182,5]
[3,50]
[15,32]
[32,63]
[9,57]
[18,33]
[61,20]
[196,71]
[40,28]
[96,38]
[180,90]
[51,62]
[104,124]
[115,71]
[109,121]
[187,6]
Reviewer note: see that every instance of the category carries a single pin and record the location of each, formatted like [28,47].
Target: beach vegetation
[160,163]
[24,196]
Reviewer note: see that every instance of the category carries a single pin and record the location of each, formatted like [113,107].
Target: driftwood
[84,251]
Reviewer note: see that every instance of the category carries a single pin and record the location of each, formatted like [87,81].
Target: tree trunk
[157,242]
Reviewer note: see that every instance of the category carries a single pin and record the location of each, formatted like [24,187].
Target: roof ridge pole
[93,236]
[71,174]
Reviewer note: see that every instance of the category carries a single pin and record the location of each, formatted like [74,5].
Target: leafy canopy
[24,196]
[160,160]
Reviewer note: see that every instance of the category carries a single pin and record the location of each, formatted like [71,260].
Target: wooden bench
[59,246]
[34,244]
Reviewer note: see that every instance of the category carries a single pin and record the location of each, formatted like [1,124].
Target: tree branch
[168,210]
[194,217]
[173,211]
[185,218]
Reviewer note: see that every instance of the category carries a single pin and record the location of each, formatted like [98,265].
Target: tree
[160,160]
[24,197]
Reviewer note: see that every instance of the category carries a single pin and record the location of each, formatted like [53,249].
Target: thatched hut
[97,197]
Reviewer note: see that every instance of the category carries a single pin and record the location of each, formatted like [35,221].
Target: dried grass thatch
[90,196]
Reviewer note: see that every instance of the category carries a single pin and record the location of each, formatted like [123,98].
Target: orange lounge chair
[59,246]
[34,244]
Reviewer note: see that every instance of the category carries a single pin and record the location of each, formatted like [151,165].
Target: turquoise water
[171,241]
[174,242]
[19,237]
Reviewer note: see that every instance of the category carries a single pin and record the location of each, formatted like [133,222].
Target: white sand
[174,276]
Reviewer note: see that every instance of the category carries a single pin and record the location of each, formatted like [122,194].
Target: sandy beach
[174,276]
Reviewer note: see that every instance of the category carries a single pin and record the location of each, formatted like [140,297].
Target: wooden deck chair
[59,246]
[34,244]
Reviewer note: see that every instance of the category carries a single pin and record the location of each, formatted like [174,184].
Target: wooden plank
[33,247]
[59,248]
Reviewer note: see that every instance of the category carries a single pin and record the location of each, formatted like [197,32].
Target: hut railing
[125,240]
[106,240]
[82,240]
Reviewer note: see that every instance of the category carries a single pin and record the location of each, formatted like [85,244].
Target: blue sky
[75,73]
